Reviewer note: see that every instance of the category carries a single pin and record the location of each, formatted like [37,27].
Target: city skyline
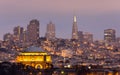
[92,16]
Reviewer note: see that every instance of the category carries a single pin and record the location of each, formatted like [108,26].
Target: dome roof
[34,49]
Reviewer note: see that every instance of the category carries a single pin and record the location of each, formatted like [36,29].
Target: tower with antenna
[74,29]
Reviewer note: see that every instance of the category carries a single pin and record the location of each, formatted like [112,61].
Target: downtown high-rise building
[80,36]
[18,30]
[74,29]
[50,33]
[18,33]
[24,36]
[109,35]
[118,40]
[7,37]
[33,31]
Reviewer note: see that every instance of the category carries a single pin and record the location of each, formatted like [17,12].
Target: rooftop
[34,49]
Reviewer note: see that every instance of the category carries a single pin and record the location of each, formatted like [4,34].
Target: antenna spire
[75,20]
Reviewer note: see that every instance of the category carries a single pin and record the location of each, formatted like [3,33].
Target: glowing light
[33,54]
[48,58]
[35,59]
[62,72]
[75,20]
[89,67]
[69,66]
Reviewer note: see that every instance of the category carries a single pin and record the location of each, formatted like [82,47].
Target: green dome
[34,49]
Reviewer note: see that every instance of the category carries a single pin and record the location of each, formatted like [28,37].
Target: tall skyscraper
[118,40]
[7,37]
[74,29]
[50,34]
[33,31]
[24,36]
[109,35]
[80,35]
[18,32]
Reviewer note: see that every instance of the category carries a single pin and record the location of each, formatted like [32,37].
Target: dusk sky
[92,15]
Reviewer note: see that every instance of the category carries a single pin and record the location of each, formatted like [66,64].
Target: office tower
[74,29]
[50,34]
[18,30]
[24,36]
[33,31]
[80,35]
[118,40]
[7,37]
[88,37]
[18,33]
[109,35]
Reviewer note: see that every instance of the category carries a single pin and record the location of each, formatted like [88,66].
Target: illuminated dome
[34,49]
[35,57]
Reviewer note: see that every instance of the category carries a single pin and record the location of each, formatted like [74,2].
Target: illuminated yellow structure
[35,57]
